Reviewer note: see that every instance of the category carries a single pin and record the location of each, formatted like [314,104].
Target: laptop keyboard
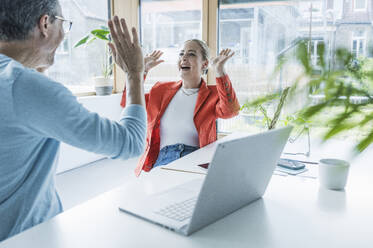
[179,211]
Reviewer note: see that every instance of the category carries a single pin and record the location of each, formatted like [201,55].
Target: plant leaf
[338,129]
[91,40]
[308,112]
[101,34]
[82,41]
[363,144]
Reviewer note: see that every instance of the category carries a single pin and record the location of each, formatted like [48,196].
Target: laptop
[237,175]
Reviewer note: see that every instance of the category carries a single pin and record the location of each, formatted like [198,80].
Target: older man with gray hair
[36,113]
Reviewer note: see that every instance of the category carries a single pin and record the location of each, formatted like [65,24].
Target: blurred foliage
[345,83]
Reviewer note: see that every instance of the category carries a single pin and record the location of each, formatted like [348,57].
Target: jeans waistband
[177,147]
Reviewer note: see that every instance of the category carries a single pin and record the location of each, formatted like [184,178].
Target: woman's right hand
[127,54]
[152,60]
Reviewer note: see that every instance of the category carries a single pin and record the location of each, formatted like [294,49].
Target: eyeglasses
[66,24]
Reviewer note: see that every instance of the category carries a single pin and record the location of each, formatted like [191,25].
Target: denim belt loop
[181,147]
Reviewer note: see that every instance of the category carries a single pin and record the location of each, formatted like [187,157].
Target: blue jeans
[170,153]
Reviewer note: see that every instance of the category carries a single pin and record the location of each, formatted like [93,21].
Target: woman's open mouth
[185,68]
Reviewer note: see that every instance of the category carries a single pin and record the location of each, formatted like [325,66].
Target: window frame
[360,9]
[359,39]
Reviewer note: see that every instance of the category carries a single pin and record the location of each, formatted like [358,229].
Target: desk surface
[294,212]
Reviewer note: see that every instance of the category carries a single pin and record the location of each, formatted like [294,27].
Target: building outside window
[258,32]
[263,30]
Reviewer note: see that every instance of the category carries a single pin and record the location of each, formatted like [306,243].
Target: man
[37,113]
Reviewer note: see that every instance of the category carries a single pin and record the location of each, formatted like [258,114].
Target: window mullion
[210,31]
[129,10]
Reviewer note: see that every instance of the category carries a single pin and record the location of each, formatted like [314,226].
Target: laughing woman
[182,115]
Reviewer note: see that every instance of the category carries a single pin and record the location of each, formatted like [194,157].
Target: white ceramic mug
[333,173]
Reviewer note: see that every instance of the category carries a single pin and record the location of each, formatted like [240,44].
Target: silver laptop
[237,175]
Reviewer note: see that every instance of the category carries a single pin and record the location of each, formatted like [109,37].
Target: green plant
[339,84]
[261,103]
[103,34]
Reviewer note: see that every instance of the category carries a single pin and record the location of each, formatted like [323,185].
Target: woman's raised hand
[127,53]
[152,60]
[219,61]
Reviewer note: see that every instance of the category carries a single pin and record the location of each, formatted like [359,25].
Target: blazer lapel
[203,93]
[167,97]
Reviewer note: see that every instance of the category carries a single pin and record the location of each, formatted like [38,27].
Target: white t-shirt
[177,125]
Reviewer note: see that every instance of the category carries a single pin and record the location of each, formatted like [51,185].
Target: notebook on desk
[238,174]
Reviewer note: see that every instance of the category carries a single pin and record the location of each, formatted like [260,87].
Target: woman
[182,115]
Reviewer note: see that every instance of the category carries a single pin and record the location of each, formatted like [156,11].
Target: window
[360,4]
[315,49]
[358,44]
[259,32]
[329,4]
[86,16]
[165,25]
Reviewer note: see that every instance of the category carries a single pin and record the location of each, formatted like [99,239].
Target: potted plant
[343,89]
[104,82]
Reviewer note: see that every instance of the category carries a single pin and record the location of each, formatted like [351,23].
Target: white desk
[294,212]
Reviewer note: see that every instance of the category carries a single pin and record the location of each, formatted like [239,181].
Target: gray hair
[204,50]
[19,17]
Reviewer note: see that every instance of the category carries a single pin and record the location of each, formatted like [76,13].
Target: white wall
[107,106]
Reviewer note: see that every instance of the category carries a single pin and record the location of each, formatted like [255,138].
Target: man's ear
[44,25]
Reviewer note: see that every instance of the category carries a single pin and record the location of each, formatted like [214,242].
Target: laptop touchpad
[190,188]
[193,185]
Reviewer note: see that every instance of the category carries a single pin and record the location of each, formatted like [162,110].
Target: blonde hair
[204,50]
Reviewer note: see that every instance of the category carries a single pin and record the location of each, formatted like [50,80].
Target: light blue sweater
[37,113]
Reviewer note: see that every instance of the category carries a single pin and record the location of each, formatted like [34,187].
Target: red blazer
[213,101]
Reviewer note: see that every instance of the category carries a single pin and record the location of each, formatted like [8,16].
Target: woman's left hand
[219,61]
[152,60]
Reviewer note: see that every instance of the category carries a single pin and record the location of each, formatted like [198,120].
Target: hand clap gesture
[127,53]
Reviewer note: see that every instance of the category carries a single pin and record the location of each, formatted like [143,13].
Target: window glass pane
[165,25]
[261,31]
[360,4]
[258,33]
[361,45]
[76,67]
[354,45]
